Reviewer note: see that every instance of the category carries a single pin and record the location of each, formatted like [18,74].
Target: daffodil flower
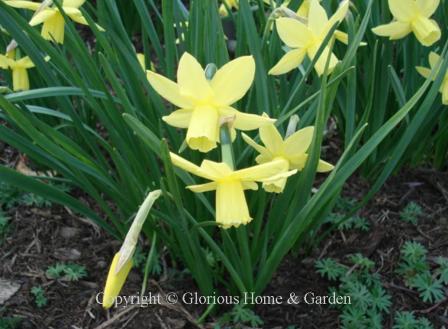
[231,206]
[53,22]
[426,72]
[122,261]
[412,16]
[306,39]
[19,68]
[204,103]
[292,152]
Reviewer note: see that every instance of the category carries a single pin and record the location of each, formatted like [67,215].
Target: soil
[41,237]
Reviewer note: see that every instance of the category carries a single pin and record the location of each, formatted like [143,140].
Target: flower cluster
[205,108]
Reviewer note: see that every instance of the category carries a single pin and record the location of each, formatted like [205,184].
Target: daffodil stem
[226,146]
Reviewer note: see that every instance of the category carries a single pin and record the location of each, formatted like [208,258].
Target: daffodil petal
[250,186]
[260,149]
[434,59]
[115,281]
[42,16]
[167,89]
[394,30]
[324,166]
[76,15]
[290,61]
[293,33]
[445,93]
[3,62]
[23,4]
[231,82]
[142,60]
[203,131]
[261,172]
[317,17]
[25,62]
[428,7]
[207,187]
[341,36]
[403,10]
[300,141]
[427,31]
[322,61]
[276,186]
[271,138]
[185,165]
[338,16]
[191,78]
[215,170]
[304,9]
[425,72]
[179,118]
[231,205]
[73,3]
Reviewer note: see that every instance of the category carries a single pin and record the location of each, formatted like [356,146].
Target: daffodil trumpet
[122,261]
[203,102]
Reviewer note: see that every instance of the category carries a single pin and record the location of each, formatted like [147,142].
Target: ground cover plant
[223,134]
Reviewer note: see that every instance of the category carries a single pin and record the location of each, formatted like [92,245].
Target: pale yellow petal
[403,10]
[141,60]
[250,186]
[276,186]
[42,16]
[304,9]
[179,118]
[261,172]
[203,131]
[168,90]
[73,3]
[426,31]
[191,78]
[76,15]
[4,64]
[188,166]
[272,139]
[260,149]
[299,163]
[425,72]
[341,36]
[427,7]
[293,33]
[231,82]
[25,62]
[23,4]
[338,16]
[215,170]
[322,61]
[433,59]
[115,281]
[324,166]
[54,28]
[445,93]
[207,187]
[394,30]
[299,142]
[231,205]
[290,61]
[317,18]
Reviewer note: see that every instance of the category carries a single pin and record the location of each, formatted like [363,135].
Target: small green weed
[411,213]
[70,271]
[39,296]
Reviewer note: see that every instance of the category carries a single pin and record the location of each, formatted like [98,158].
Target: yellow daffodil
[19,68]
[231,206]
[53,22]
[306,39]
[204,103]
[122,261]
[292,152]
[425,72]
[412,16]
